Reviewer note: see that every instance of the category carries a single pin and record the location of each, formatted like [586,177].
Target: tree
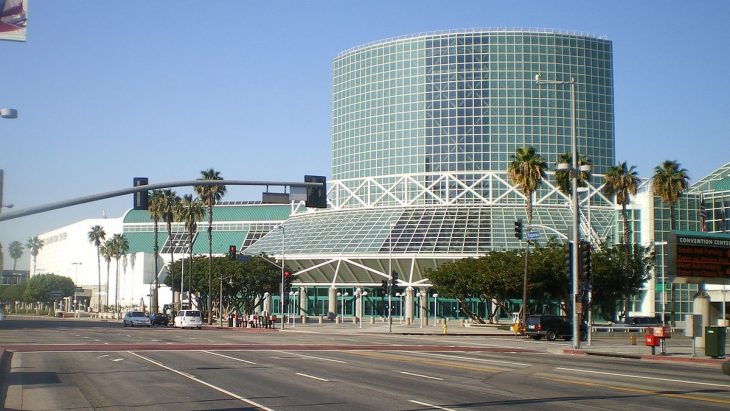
[526,170]
[96,236]
[562,177]
[155,206]
[34,244]
[612,282]
[460,280]
[189,211]
[244,282]
[41,287]
[668,183]
[106,253]
[169,200]
[210,195]
[623,182]
[119,248]
[15,250]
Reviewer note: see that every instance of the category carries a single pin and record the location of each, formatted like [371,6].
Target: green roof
[225,212]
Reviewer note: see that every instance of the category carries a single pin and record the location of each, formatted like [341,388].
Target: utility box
[715,342]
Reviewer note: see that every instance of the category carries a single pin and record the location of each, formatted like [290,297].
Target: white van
[188,318]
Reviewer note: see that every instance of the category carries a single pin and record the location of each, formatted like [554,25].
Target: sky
[111,90]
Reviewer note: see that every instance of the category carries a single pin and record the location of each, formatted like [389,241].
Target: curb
[707,361]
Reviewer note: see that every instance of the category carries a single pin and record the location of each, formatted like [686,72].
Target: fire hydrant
[444,327]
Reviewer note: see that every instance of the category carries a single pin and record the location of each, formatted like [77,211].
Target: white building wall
[67,252]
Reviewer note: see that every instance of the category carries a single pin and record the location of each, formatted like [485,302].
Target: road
[91,365]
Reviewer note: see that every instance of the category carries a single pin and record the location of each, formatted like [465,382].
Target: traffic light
[287,281]
[384,287]
[316,196]
[585,260]
[568,259]
[393,281]
[232,252]
[140,197]
[518,229]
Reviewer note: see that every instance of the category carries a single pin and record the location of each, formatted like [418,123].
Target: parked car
[552,327]
[159,319]
[188,319]
[136,318]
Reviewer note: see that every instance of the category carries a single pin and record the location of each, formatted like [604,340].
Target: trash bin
[715,342]
[230,320]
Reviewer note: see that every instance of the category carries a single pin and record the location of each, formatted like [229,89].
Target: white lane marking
[643,377]
[199,381]
[312,377]
[425,404]
[102,356]
[420,375]
[232,358]
[311,356]
[469,358]
[118,359]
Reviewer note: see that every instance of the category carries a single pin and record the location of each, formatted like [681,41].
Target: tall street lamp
[282,276]
[390,276]
[574,199]
[664,291]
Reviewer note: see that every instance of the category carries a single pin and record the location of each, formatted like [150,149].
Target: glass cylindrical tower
[465,101]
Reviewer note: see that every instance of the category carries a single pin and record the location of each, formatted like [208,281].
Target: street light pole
[283,234]
[664,292]
[574,200]
[390,277]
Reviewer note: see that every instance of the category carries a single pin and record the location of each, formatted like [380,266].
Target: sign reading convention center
[697,256]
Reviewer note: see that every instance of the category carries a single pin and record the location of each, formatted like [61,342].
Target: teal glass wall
[466,101]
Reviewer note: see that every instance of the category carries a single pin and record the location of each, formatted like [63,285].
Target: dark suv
[552,327]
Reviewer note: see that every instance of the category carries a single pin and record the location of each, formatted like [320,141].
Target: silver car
[136,319]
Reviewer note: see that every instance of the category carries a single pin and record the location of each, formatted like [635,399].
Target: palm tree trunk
[98,265]
[156,292]
[116,287]
[626,257]
[190,269]
[210,259]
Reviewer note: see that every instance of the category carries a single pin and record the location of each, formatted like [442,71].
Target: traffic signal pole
[117,193]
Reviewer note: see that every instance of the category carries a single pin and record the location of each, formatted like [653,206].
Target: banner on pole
[13,19]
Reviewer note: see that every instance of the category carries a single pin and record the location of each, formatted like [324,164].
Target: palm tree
[15,250]
[668,182]
[106,253]
[189,211]
[120,247]
[526,171]
[96,235]
[156,210]
[623,181]
[562,177]
[34,244]
[210,195]
[169,200]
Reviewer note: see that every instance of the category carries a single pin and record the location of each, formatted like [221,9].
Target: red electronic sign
[701,255]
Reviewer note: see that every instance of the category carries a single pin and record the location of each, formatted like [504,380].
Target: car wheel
[125,324]
[583,335]
[552,335]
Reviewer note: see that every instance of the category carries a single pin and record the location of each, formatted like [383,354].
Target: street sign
[533,235]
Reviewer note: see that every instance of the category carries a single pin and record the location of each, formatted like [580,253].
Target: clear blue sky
[110,90]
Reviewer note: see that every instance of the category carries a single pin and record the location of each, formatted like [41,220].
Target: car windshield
[136,314]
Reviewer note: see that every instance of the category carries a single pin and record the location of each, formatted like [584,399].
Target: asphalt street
[93,365]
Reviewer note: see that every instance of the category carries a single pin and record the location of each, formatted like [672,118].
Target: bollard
[632,339]
[444,328]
